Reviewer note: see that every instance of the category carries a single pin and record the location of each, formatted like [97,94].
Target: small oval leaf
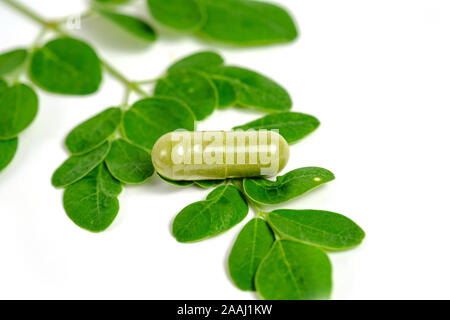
[294,271]
[251,246]
[93,132]
[76,167]
[223,209]
[204,60]
[91,203]
[293,126]
[8,149]
[246,22]
[66,66]
[149,119]
[11,60]
[132,25]
[254,90]
[18,108]
[328,230]
[185,15]
[286,187]
[207,61]
[3,85]
[129,163]
[193,88]
[225,92]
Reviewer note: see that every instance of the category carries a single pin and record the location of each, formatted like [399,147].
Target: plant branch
[126,100]
[55,26]
[30,14]
[129,84]
[39,37]
[147,81]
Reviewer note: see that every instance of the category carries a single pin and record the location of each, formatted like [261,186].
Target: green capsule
[206,155]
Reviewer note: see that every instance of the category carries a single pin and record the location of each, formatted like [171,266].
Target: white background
[377,75]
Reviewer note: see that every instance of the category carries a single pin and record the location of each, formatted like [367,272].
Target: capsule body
[208,155]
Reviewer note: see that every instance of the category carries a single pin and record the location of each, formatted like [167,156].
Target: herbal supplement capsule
[186,155]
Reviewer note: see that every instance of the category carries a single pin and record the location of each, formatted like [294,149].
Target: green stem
[56,28]
[148,81]
[260,213]
[26,11]
[26,64]
[39,38]
[119,76]
[126,100]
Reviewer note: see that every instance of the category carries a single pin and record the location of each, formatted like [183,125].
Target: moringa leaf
[204,60]
[11,60]
[3,85]
[251,246]
[91,203]
[233,84]
[206,184]
[66,66]
[225,92]
[150,118]
[185,15]
[293,126]
[178,183]
[76,167]
[132,25]
[18,108]
[223,209]
[8,149]
[255,90]
[93,132]
[192,87]
[294,271]
[239,22]
[246,22]
[286,187]
[328,230]
[129,163]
